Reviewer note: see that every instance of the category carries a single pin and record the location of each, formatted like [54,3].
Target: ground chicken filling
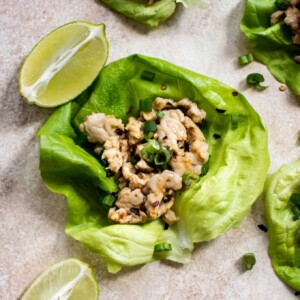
[291,17]
[149,157]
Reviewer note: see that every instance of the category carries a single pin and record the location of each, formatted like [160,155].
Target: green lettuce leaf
[141,11]
[284,232]
[272,45]
[219,201]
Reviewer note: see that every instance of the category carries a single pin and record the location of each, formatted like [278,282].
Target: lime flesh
[63,64]
[68,279]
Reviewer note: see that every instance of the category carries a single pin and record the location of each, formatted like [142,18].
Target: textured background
[33,219]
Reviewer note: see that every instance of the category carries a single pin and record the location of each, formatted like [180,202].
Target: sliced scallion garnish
[161,247]
[255,79]
[151,147]
[149,126]
[282,4]
[109,200]
[146,105]
[245,59]
[205,168]
[160,114]
[249,260]
[188,178]
[162,157]
[149,136]
[295,198]
[147,75]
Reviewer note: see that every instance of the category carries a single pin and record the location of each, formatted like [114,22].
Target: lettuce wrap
[272,45]
[146,13]
[284,246]
[208,208]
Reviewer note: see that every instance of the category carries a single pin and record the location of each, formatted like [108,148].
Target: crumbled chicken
[147,188]
[113,154]
[99,127]
[171,130]
[136,130]
[291,17]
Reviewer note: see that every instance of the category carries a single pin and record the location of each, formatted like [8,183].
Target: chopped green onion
[151,147]
[149,126]
[160,114]
[188,178]
[295,198]
[109,200]
[245,59]
[296,212]
[234,120]
[146,105]
[149,136]
[282,4]
[249,260]
[256,79]
[135,159]
[205,168]
[162,157]
[147,75]
[162,247]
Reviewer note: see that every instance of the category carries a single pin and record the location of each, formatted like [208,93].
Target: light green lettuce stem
[284,232]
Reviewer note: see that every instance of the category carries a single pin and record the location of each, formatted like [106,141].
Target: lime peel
[67,68]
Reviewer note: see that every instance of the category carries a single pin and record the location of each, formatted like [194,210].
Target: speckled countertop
[33,219]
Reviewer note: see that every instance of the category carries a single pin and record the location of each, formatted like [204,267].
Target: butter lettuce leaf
[141,11]
[284,232]
[208,208]
[272,45]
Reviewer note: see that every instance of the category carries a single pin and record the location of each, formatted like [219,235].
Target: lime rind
[39,78]
[66,279]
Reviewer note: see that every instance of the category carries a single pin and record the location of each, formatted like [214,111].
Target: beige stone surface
[33,219]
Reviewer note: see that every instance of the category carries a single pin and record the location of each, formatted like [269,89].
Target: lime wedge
[63,64]
[67,279]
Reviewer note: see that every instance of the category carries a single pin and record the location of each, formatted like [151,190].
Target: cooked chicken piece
[128,198]
[192,110]
[126,216]
[196,141]
[124,150]
[162,103]
[99,127]
[297,58]
[113,154]
[135,180]
[149,116]
[142,165]
[292,17]
[136,130]
[277,17]
[181,164]
[171,131]
[170,217]
[155,210]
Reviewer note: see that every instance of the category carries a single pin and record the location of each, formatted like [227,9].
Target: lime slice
[63,64]
[67,279]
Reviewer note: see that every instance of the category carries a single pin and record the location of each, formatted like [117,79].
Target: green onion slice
[151,147]
[161,247]
[245,59]
[234,120]
[160,114]
[256,79]
[188,178]
[149,126]
[109,200]
[282,4]
[249,260]
[296,213]
[162,157]
[295,198]
[205,168]
[149,136]
[147,75]
[146,105]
